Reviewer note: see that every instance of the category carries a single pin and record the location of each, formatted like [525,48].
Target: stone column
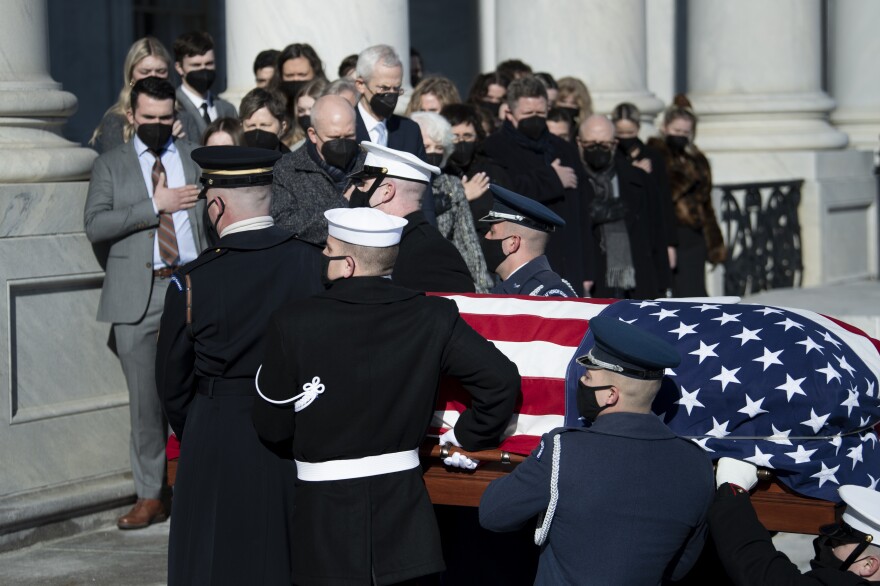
[32,105]
[853,48]
[755,75]
[602,43]
[487,10]
[335,28]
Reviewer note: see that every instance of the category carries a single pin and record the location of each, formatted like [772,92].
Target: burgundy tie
[167,237]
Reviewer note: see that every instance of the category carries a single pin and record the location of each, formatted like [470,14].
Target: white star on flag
[664,313]
[768,310]
[706,307]
[705,351]
[689,400]
[870,436]
[628,321]
[747,335]
[702,443]
[842,363]
[827,337]
[669,372]
[790,323]
[815,422]
[829,373]
[726,317]
[779,436]
[870,391]
[800,456]
[826,474]
[760,458]
[753,408]
[873,485]
[863,421]
[718,430]
[645,304]
[726,377]
[769,358]
[856,455]
[684,329]
[836,441]
[809,344]
[851,401]
[792,387]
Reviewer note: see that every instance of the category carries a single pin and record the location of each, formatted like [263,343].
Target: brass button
[217,250]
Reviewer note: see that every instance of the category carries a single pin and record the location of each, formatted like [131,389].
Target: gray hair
[438,129]
[339,87]
[371,56]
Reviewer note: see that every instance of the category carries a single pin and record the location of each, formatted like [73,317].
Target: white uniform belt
[357,467]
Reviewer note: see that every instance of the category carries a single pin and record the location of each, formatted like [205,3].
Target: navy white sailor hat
[234,166]
[509,206]
[862,509]
[388,162]
[364,226]
[628,350]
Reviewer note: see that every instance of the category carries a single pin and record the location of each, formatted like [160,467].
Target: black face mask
[261,139]
[598,158]
[434,159]
[383,104]
[304,122]
[361,199]
[325,269]
[627,145]
[587,403]
[154,135]
[201,80]
[573,113]
[340,152]
[533,127]
[220,204]
[490,108]
[493,252]
[824,546]
[677,143]
[291,88]
[463,153]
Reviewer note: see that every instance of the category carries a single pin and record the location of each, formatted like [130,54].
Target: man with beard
[545,168]
[195,64]
[626,217]
[142,201]
[310,180]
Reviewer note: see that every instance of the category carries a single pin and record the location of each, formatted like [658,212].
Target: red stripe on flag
[854,330]
[528,328]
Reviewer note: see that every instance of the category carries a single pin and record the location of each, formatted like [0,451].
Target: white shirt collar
[140,148]
[257,223]
[194,98]
[369,121]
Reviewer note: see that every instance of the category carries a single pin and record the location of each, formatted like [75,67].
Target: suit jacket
[119,211]
[193,123]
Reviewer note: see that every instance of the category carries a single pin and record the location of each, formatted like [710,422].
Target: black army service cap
[234,166]
[509,206]
[628,350]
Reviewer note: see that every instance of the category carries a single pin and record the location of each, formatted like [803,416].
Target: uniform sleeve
[102,219]
[511,501]
[273,422]
[175,358]
[492,380]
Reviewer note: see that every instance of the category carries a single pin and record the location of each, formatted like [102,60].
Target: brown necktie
[167,237]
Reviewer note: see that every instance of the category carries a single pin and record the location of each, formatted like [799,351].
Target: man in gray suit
[195,63]
[142,202]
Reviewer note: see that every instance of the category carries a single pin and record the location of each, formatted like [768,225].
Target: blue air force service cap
[628,350]
[234,166]
[519,209]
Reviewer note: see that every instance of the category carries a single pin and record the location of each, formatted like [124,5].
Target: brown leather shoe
[142,514]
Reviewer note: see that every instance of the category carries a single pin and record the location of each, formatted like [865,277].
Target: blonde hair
[140,50]
[436,85]
[572,86]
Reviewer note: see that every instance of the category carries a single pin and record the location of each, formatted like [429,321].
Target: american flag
[788,390]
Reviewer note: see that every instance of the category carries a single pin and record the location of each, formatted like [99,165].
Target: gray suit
[193,124]
[119,212]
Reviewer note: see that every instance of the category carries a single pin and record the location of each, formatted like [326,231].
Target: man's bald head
[595,128]
[333,117]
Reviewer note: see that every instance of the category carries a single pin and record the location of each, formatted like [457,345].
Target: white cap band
[364,226]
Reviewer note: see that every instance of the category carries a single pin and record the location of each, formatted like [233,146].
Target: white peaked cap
[398,163]
[862,509]
[364,226]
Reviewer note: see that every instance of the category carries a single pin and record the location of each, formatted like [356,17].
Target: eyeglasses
[466,137]
[593,144]
[387,89]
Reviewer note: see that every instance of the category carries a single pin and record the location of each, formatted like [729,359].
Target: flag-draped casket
[789,390]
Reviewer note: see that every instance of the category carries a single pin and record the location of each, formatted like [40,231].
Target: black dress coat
[379,351]
[747,552]
[232,498]
[660,176]
[528,167]
[647,238]
[429,262]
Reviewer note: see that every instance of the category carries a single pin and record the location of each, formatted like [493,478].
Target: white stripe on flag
[538,359]
[492,305]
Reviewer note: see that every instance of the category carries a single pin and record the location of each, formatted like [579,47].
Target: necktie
[205,115]
[381,135]
[167,236]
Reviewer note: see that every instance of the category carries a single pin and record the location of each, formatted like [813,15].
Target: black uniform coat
[528,166]
[229,523]
[633,499]
[429,262]
[747,551]
[647,237]
[379,350]
[535,278]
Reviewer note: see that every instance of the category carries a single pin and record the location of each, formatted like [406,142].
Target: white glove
[449,438]
[457,460]
[736,472]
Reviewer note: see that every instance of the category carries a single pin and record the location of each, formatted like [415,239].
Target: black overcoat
[429,262]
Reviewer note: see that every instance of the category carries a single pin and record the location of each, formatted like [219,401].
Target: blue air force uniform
[535,278]
[624,501]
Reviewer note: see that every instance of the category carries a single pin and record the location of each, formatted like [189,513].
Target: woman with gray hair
[454,219]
